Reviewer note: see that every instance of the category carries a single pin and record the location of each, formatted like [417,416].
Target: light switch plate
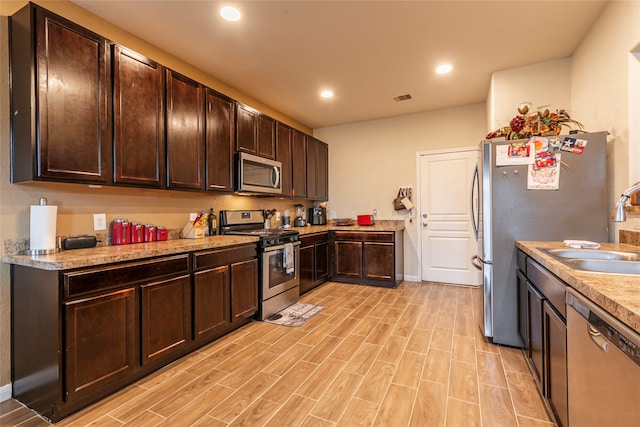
[99,222]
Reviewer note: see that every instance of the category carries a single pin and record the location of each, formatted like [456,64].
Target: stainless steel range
[279,259]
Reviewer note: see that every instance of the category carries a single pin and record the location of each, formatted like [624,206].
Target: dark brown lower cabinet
[244,292]
[211,310]
[165,317]
[314,260]
[370,258]
[80,335]
[100,340]
[543,306]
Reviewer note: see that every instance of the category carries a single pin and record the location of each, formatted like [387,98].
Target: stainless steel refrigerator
[505,210]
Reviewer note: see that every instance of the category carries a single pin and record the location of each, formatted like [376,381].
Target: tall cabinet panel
[299,164]
[317,164]
[283,155]
[185,133]
[138,136]
[219,141]
[59,99]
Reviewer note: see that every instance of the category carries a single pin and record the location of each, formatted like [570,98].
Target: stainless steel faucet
[619,214]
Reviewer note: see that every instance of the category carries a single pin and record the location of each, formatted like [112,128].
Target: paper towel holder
[58,247]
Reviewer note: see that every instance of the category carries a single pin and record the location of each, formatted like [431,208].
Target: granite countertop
[616,293]
[379,225]
[76,258]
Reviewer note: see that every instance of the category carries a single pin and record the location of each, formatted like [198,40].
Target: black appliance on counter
[278,259]
[318,216]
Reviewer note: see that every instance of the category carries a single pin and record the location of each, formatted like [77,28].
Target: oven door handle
[279,247]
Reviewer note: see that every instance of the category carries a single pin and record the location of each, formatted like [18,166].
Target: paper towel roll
[43,228]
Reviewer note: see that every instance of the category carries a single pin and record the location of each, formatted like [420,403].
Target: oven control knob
[271,242]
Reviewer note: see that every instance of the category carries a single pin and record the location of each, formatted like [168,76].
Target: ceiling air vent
[402,97]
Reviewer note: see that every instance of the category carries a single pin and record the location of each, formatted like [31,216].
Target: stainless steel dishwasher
[604,367]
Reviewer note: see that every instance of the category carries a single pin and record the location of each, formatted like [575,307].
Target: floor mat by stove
[295,315]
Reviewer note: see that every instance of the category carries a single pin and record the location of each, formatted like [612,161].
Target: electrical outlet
[193,216]
[277,215]
[99,222]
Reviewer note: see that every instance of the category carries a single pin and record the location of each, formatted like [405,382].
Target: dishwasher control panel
[630,347]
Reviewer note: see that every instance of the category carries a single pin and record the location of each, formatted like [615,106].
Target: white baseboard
[5,392]
[408,278]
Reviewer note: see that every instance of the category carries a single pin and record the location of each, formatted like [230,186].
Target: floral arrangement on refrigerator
[540,123]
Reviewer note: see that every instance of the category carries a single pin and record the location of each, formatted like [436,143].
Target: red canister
[120,232]
[136,232]
[149,233]
[161,233]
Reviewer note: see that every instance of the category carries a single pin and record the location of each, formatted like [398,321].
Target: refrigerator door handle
[475,220]
[476,262]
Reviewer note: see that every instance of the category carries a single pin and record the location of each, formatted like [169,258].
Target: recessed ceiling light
[230,13]
[326,94]
[444,69]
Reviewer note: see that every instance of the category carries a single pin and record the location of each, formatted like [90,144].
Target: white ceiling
[283,53]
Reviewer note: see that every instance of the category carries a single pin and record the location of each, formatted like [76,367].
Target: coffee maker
[318,216]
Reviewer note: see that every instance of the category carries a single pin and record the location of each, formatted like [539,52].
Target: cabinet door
[378,261]
[322,261]
[283,155]
[100,341]
[244,288]
[523,310]
[165,317]
[138,138]
[317,164]
[185,133]
[534,301]
[307,264]
[72,84]
[299,164]
[246,129]
[265,133]
[555,344]
[348,259]
[211,309]
[220,124]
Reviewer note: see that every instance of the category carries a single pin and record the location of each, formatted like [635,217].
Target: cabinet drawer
[313,239]
[522,261]
[364,236]
[550,286]
[90,280]
[216,258]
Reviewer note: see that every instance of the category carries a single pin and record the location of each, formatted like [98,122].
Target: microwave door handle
[275,177]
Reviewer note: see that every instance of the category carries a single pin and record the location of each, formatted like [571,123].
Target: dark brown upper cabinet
[59,108]
[299,164]
[283,154]
[220,124]
[255,132]
[138,120]
[317,169]
[185,133]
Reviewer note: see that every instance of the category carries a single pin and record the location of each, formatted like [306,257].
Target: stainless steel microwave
[258,175]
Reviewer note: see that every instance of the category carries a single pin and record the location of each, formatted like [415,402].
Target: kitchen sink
[597,260]
[606,266]
[597,254]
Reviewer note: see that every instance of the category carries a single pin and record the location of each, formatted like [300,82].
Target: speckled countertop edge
[78,258]
[616,293]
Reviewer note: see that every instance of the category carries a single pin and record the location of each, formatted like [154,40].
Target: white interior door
[447,239]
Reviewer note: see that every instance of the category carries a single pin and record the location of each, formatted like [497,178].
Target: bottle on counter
[212,223]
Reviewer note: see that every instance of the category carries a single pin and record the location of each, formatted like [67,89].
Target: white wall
[602,90]
[368,162]
[546,85]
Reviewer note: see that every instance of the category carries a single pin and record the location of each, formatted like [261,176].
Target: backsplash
[630,237]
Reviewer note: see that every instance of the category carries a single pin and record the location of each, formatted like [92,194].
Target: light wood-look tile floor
[411,356]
